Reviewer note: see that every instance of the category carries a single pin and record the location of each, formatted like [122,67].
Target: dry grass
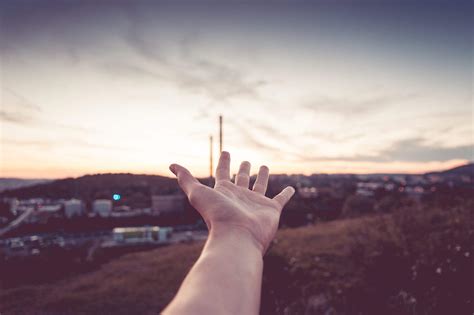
[137,283]
[410,262]
[354,266]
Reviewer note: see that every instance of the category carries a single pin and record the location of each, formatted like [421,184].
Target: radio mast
[220,133]
[211,166]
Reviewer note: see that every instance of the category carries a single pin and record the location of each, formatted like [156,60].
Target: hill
[467,170]
[136,186]
[14,183]
[403,263]
[90,187]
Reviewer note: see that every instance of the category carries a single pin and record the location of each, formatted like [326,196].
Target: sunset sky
[304,88]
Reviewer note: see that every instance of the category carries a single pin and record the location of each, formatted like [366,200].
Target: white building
[14,204]
[140,235]
[308,192]
[73,207]
[54,208]
[167,204]
[102,207]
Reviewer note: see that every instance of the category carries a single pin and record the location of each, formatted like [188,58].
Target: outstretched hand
[233,207]
[226,279]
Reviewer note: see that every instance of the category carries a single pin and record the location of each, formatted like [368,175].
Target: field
[407,262]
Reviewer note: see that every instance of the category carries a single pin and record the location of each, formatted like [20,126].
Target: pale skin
[227,277]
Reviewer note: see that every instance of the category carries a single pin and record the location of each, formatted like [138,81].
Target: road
[188,236]
[17,222]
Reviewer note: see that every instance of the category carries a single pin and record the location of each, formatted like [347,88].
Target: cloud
[254,142]
[339,137]
[60,143]
[14,117]
[267,131]
[42,144]
[21,118]
[416,150]
[252,137]
[16,108]
[407,150]
[354,106]
[202,113]
[274,140]
[184,68]
[137,42]
[126,69]
[19,100]
[218,81]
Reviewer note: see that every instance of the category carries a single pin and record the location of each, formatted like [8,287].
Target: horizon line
[274,174]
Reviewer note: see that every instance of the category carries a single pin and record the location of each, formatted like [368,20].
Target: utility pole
[220,133]
[211,162]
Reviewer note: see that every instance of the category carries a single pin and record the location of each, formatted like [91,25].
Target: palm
[234,205]
[237,206]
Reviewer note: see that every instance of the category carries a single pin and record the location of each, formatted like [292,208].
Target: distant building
[32,201]
[125,212]
[140,235]
[368,189]
[73,207]
[415,192]
[102,207]
[364,192]
[14,204]
[122,208]
[54,208]
[42,213]
[167,204]
[308,192]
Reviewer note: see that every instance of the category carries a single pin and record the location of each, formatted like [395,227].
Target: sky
[304,87]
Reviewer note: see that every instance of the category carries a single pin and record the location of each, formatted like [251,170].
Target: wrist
[236,236]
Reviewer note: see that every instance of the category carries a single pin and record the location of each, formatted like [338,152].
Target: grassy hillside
[404,263]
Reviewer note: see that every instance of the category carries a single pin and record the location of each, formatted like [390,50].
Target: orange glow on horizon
[336,167]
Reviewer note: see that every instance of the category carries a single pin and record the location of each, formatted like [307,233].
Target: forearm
[226,279]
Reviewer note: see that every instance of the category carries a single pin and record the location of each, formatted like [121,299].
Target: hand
[234,208]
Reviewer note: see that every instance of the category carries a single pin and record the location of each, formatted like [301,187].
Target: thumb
[185,179]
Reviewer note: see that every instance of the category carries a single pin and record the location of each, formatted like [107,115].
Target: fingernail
[173,168]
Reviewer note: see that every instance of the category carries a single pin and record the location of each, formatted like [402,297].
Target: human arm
[227,277]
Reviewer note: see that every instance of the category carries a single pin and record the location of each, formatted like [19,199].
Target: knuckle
[242,177]
[193,198]
[277,204]
[195,194]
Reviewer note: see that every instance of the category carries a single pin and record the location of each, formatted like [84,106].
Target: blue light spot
[116,197]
